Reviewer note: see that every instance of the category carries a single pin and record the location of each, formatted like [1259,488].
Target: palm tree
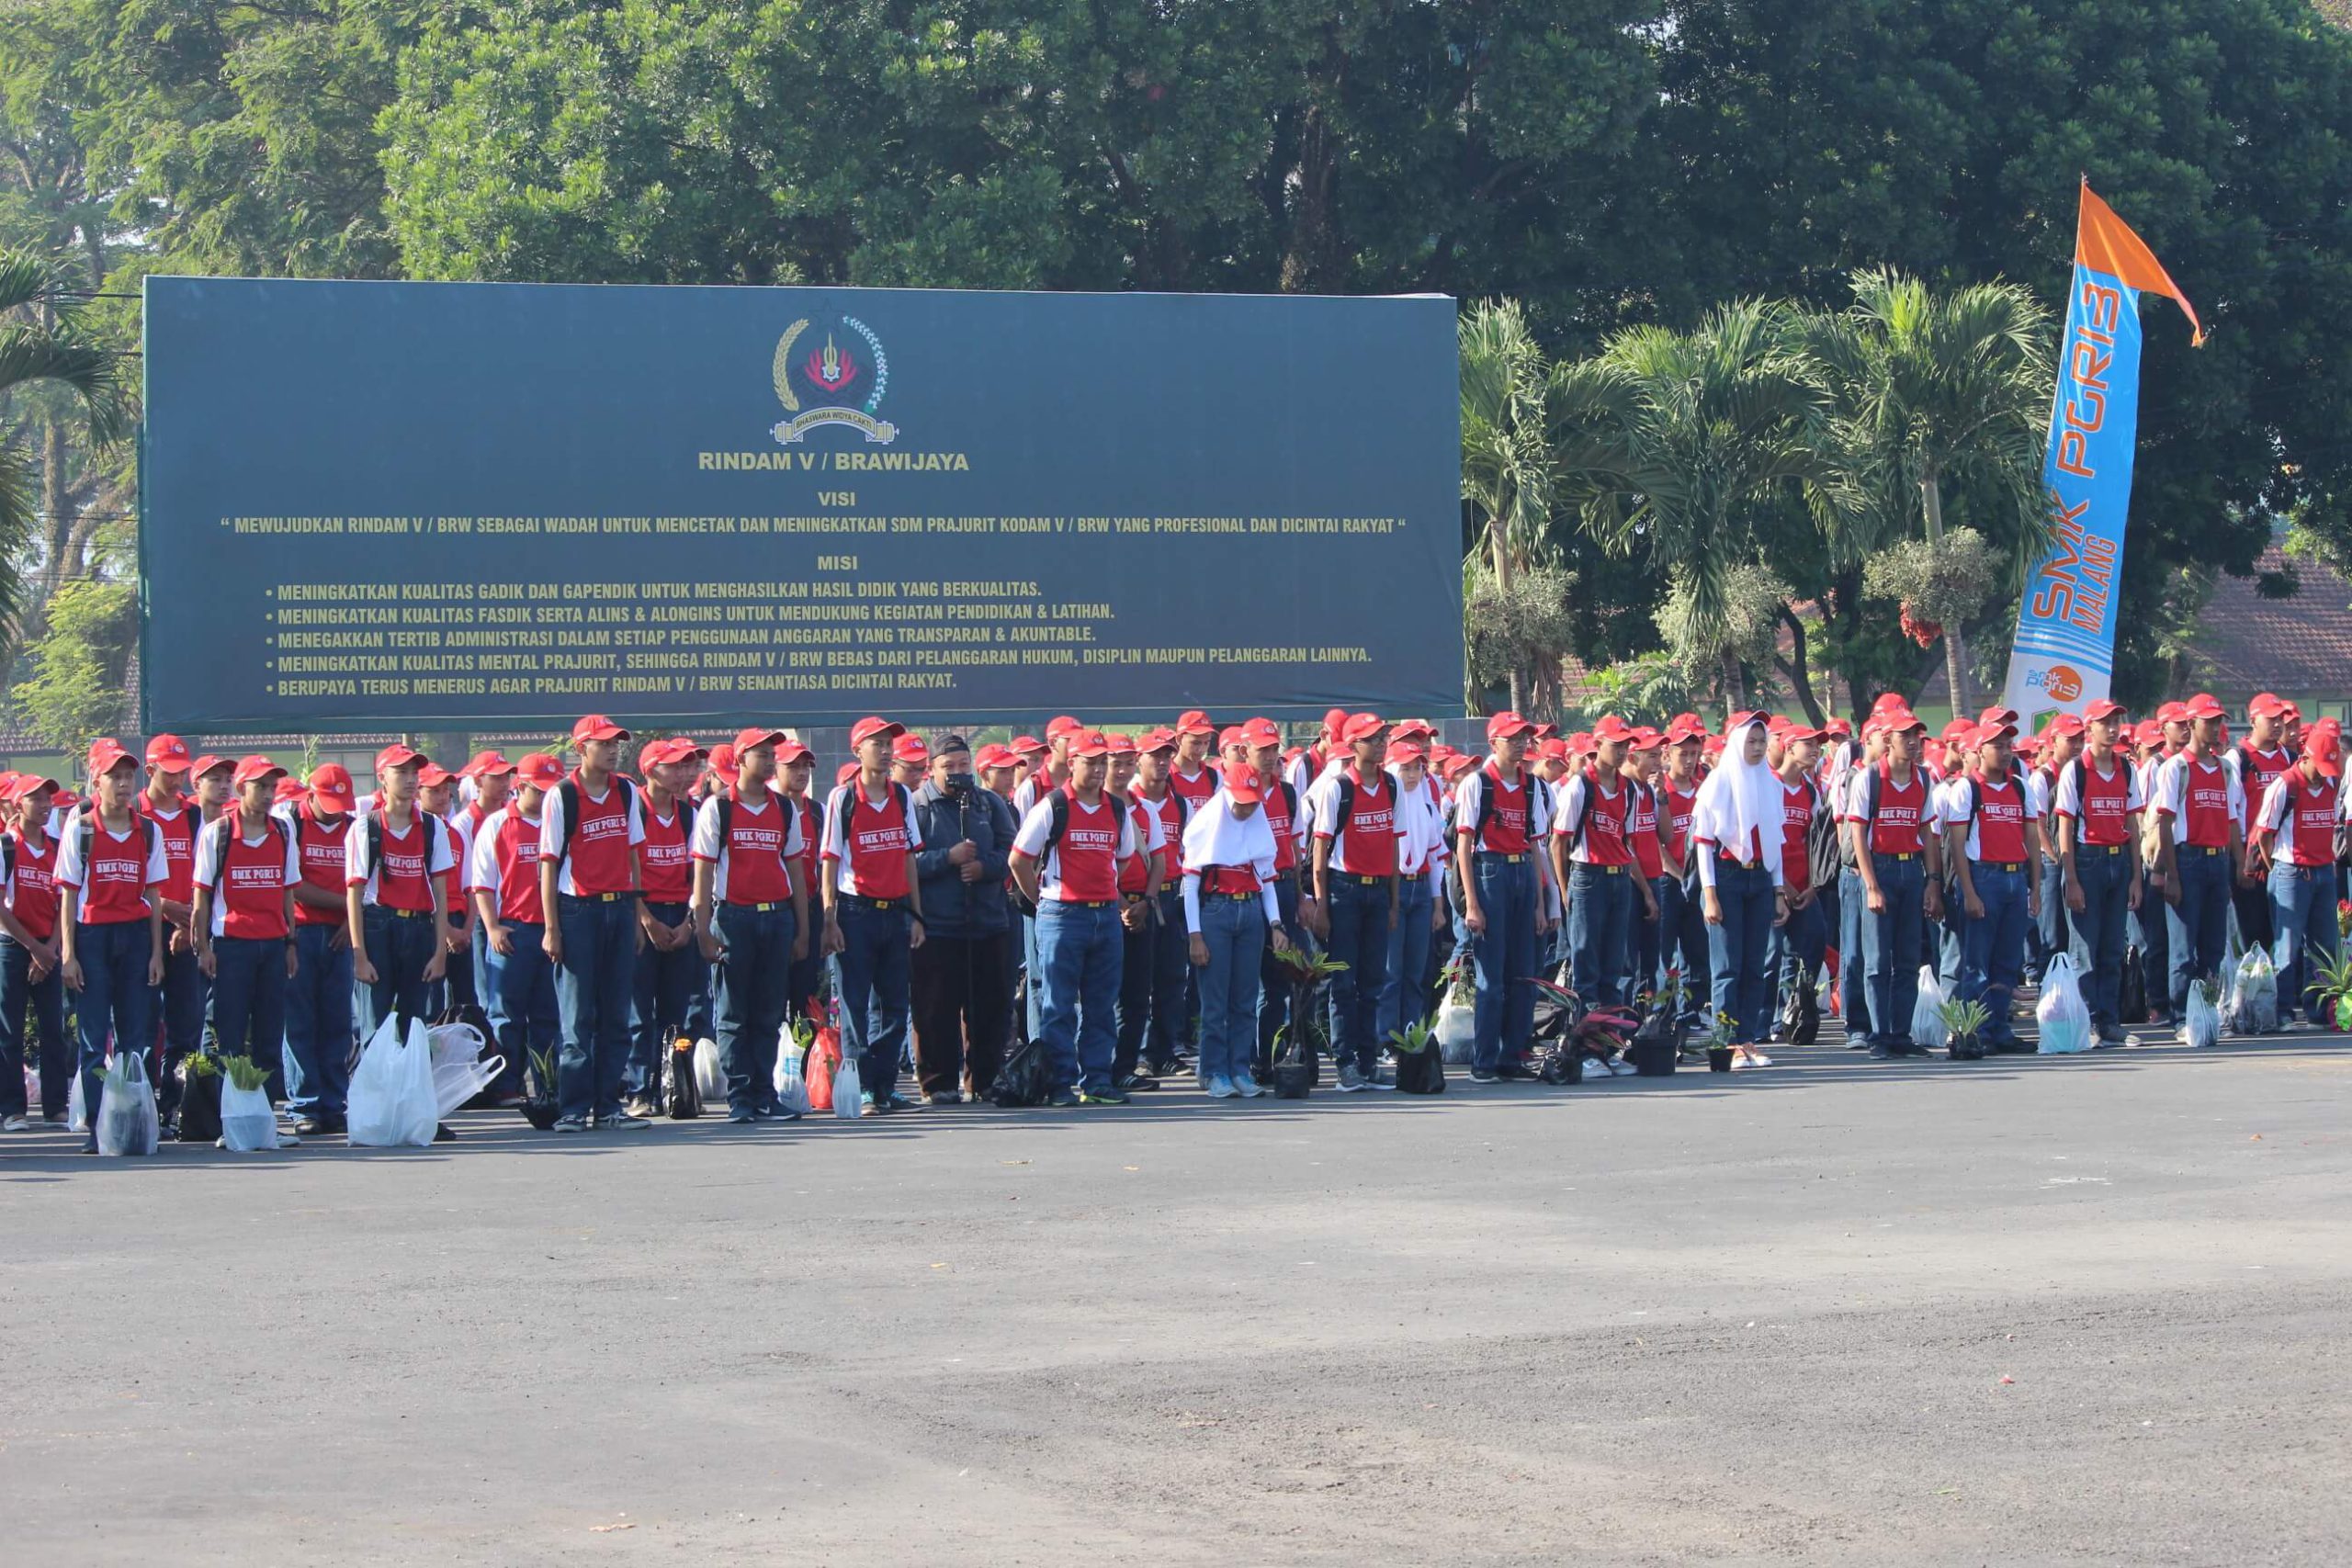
[1673,445]
[1506,450]
[1935,390]
[38,345]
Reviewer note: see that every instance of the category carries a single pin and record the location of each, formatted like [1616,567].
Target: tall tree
[39,347]
[1505,451]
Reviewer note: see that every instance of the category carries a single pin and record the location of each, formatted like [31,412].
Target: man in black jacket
[962,998]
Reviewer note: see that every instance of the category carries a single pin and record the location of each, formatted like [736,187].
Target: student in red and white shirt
[169,803]
[672,981]
[1800,942]
[1152,968]
[1421,853]
[1993,843]
[2097,803]
[1195,775]
[1067,857]
[750,911]
[873,908]
[1593,864]
[1501,820]
[246,868]
[2259,761]
[2199,812]
[319,997]
[797,770]
[1358,834]
[589,831]
[395,895]
[2296,827]
[29,954]
[110,873]
[503,881]
[1900,860]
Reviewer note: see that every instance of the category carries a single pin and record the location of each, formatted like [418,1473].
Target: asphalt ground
[2083,1310]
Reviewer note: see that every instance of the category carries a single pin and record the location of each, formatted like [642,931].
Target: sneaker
[1881,1054]
[571,1124]
[1758,1059]
[1518,1072]
[313,1126]
[640,1106]
[1350,1080]
[13,1124]
[741,1118]
[90,1144]
[2110,1035]
[944,1097]
[1139,1083]
[866,1103]
[1062,1098]
[1247,1086]
[623,1121]
[1103,1096]
[1221,1087]
[1376,1081]
[1482,1074]
[444,1133]
[894,1101]
[57,1120]
[1744,1064]
[1623,1069]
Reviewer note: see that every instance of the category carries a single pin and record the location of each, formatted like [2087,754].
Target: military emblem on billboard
[831,372]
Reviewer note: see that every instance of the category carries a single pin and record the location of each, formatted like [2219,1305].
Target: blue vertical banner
[2064,658]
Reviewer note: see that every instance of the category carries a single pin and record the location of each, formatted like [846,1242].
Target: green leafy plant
[1961,1018]
[203,1065]
[1411,1041]
[1311,966]
[1460,976]
[245,1073]
[2331,989]
[543,1072]
[804,1033]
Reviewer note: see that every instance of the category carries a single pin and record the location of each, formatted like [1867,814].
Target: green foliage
[1515,628]
[245,1073]
[1945,580]
[76,691]
[1962,1019]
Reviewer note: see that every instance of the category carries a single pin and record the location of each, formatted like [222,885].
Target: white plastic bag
[2065,1021]
[453,1083]
[128,1123]
[247,1123]
[1928,1012]
[391,1103]
[2200,1025]
[32,1091]
[710,1071]
[78,1111]
[791,1083]
[456,1044]
[2253,1006]
[849,1099]
[1457,1030]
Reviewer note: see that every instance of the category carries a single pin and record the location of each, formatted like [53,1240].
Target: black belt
[1506,856]
[1081,903]
[1603,869]
[1895,854]
[406,914]
[1349,877]
[2016,865]
[598,897]
[2198,849]
[2100,849]
[880,905]
[1236,898]
[759,908]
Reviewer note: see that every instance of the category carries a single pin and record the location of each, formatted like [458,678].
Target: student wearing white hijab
[1737,830]
[1230,913]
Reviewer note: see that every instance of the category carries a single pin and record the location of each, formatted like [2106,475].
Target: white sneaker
[13,1124]
[1350,1080]
[1221,1087]
[1247,1086]
[1742,1064]
[1758,1059]
[1623,1068]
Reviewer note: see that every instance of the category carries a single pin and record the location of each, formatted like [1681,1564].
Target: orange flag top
[2104,242]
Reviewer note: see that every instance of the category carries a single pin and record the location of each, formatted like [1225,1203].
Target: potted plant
[247,1123]
[1456,1027]
[1421,1067]
[1299,1043]
[2331,993]
[1963,1030]
[1658,1044]
[1721,1027]
[541,1106]
[1599,1037]
[199,1119]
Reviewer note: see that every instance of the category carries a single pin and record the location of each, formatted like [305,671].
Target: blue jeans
[754,983]
[1891,948]
[2199,926]
[1992,962]
[249,1001]
[179,1005]
[1740,950]
[2302,914]
[873,969]
[1151,988]
[2107,910]
[1504,959]
[399,947]
[1404,995]
[519,997]
[1033,968]
[1853,962]
[1359,914]
[1682,941]
[1602,904]
[1081,951]
[2152,925]
[115,1001]
[672,996]
[46,998]
[1234,931]
[2052,932]
[319,1029]
[1649,936]
[592,988]
[1798,946]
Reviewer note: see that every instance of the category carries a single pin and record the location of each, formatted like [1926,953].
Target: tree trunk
[1735,689]
[1500,552]
[1797,667]
[1931,501]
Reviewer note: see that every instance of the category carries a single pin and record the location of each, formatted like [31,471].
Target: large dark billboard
[453,505]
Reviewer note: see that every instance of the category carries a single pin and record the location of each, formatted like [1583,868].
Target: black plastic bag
[1421,1071]
[1025,1079]
[679,1091]
[199,1104]
[1801,1015]
[2131,987]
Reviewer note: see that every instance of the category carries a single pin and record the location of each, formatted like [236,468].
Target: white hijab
[1214,836]
[1742,802]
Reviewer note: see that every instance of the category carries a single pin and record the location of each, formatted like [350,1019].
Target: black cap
[951,741]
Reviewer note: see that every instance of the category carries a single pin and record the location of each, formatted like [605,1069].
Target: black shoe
[1517,1072]
[316,1126]
[1881,1054]
[442,1134]
[1482,1074]
[90,1145]
[1062,1098]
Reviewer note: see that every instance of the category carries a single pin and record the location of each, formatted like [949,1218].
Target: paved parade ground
[2071,1310]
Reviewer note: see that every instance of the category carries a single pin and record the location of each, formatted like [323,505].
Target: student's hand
[70,971]
[1475,920]
[2172,893]
[2136,892]
[552,943]
[1877,901]
[293,961]
[643,941]
[2032,906]
[1973,905]
[501,939]
[1279,938]
[437,966]
[2077,902]
[459,940]
[1438,914]
[179,942]
[362,972]
[973,871]
[1932,903]
[208,963]
[339,938]
[915,928]
[714,951]
[833,943]
[1200,949]
[155,968]
[799,944]
[963,853]
[1132,916]
[1713,903]
[1649,902]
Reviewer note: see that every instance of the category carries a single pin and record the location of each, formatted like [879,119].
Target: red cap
[1741,720]
[1961,730]
[1123,745]
[1904,718]
[1613,727]
[331,781]
[1194,722]
[905,749]
[789,751]
[1554,747]
[1506,723]
[2268,705]
[1160,740]
[1400,752]
[1838,727]
[106,755]
[2001,716]
[1362,727]
[1403,729]
[596,727]
[252,768]
[22,784]
[1089,743]
[2102,708]
[1799,730]
[1888,701]
[1685,727]
[660,754]
[288,788]
[1029,746]
[2065,724]
[1231,735]
[1262,732]
[396,756]
[2173,713]
[866,730]
[1060,723]
[757,735]
[205,763]
[2324,746]
[485,764]
[992,756]
[2027,746]
[2148,732]
[1241,784]
[539,770]
[1333,719]
[2203,705]
[432,776]
[845,772]
[722,759]
[1645,738]
[167,754]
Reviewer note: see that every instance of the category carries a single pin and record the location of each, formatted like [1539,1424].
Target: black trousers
[961,997]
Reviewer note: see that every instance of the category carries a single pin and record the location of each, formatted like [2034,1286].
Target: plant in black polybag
[200,1099]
